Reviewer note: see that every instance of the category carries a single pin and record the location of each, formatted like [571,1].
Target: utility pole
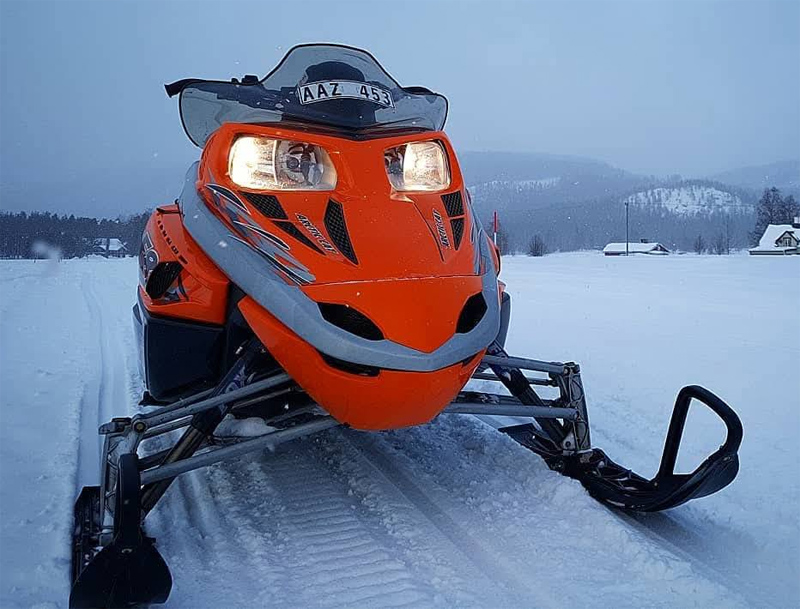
[627,239]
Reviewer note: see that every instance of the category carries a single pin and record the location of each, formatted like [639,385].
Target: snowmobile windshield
[334,87]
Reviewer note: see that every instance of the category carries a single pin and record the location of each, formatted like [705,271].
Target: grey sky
[651,86]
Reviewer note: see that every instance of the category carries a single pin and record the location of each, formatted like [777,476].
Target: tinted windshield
[332,86]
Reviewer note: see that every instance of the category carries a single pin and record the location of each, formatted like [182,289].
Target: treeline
[73,236]
[593,226]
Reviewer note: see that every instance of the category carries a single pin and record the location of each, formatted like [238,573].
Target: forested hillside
[580,204]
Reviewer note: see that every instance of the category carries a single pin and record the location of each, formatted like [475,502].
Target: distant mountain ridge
[781,174]
[483,167]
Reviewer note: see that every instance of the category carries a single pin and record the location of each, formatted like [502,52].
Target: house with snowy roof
[642,247]
[779,240]
[110,247]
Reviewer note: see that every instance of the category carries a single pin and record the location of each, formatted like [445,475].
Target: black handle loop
[675,434]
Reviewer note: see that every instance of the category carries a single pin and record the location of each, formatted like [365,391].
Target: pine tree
[772,209]
[788,210]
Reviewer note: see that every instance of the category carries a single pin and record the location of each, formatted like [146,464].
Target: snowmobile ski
[126,571]
[620,487]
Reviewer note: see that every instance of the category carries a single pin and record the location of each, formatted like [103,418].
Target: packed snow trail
[64,344]
[450,514]
[108,388]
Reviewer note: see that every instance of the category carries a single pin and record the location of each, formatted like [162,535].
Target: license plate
[327,90]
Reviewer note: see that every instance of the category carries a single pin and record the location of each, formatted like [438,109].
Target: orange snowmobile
[324,266]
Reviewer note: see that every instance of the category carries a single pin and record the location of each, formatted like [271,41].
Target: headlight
[417,166]
[266,164]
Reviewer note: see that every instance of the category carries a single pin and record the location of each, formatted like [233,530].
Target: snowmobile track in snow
[488,565]
[297,533]
[104,394]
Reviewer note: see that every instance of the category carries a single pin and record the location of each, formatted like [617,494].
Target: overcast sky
[650,86]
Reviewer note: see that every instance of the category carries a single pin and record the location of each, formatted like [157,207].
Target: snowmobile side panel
[182,302]
[178,356]
[177,279]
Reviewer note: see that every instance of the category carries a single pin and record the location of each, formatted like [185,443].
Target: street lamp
[627,240]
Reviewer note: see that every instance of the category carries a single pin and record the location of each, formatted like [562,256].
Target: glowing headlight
[417,166]
[266,164]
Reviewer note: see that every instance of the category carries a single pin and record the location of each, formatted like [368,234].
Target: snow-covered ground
[452,514]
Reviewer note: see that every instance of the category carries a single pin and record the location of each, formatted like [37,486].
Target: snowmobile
[322,267]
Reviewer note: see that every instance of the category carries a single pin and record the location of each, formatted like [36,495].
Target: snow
[773,232]
[689,200]
[66,349]
[243,428]
[449,514]
[633,248]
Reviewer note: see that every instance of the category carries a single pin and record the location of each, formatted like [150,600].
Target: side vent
[453,203]
[295,232]
[472,313]
[454,206]
[457,224]
[162,277]
[350,320]
[268,205]
[337,230]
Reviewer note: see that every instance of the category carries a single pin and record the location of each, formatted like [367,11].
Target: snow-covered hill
[690,200]
[452,514]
